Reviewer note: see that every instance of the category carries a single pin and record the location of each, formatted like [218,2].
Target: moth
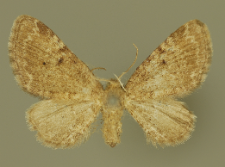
[72,96]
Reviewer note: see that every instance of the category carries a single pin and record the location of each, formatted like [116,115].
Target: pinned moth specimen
[72,96]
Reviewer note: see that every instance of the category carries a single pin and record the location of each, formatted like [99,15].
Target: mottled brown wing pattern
[165,122]
[176,67]
[73,97]
[44,66]
[64,123]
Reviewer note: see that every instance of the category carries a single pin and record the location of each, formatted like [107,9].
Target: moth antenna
[98,68]
[120,83]
[100,79]
[132,63]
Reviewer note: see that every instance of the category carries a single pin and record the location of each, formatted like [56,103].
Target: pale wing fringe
[62,124]
[165,122]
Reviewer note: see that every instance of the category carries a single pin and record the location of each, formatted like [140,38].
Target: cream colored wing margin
[176,67]
[44,66]
[165,122]
[62,124]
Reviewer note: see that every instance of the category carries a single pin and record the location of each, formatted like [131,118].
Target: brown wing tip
[208,42]
[196,21]
[21,17]
[13,32]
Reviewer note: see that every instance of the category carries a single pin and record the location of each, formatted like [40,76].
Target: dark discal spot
[60,61]
[44,63]
[164,62]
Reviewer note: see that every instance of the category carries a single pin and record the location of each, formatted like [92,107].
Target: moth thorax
[114,94]
[112,100]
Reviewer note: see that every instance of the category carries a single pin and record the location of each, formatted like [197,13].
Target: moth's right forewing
[44,66]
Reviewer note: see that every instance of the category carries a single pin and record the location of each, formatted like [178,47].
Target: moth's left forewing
[177,66]
[174,69]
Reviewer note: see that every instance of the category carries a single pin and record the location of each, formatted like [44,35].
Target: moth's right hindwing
[62,124]
[165,122]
